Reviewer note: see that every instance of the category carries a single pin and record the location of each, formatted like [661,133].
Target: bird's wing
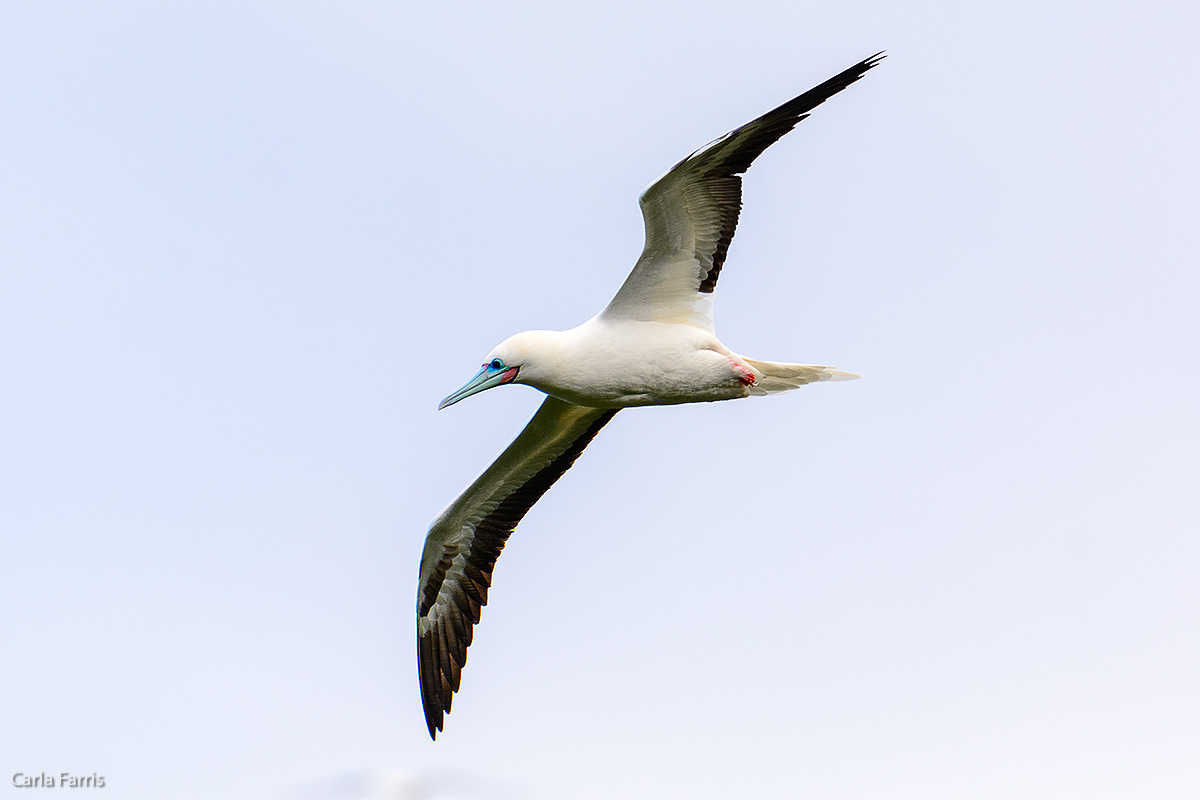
[692,211]
[465,541]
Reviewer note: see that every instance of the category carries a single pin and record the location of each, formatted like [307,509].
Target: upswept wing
[692,212]
[465,541]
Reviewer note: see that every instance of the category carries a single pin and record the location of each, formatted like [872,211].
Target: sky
[246,248]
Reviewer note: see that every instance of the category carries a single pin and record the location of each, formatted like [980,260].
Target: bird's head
[504,363]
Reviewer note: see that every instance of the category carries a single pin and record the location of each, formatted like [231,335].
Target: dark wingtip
[867,63]
[842,80]
[429,676]
[435,718]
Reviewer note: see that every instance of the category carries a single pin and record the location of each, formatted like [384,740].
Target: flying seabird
[654,344]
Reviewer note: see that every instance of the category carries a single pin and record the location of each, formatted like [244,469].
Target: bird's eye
[496,364]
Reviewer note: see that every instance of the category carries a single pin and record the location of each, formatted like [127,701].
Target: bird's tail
[772,377]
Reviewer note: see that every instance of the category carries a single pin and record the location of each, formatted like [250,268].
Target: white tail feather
[772,377]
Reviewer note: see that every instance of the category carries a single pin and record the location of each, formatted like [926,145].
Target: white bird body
[623,363]
[654,344]
[613,363]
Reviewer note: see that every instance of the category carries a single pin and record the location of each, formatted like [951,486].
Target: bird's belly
[697,376]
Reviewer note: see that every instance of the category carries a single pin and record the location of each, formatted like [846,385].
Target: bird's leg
[744,375]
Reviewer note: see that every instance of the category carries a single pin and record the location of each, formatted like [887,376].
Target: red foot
[744,375]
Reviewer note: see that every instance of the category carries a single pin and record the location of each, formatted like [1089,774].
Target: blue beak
[486,378]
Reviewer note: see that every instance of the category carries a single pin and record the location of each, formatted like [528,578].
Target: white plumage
[653,344]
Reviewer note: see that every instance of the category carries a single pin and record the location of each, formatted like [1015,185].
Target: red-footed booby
[654,344]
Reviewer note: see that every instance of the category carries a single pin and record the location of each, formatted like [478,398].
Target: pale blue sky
[246,248]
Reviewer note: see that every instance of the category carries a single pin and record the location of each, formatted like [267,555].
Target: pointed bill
[486,378]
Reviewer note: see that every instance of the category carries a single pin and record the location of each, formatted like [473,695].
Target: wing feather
[691,214]
[465,541]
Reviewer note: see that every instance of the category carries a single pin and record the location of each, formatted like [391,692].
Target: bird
[653,344]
